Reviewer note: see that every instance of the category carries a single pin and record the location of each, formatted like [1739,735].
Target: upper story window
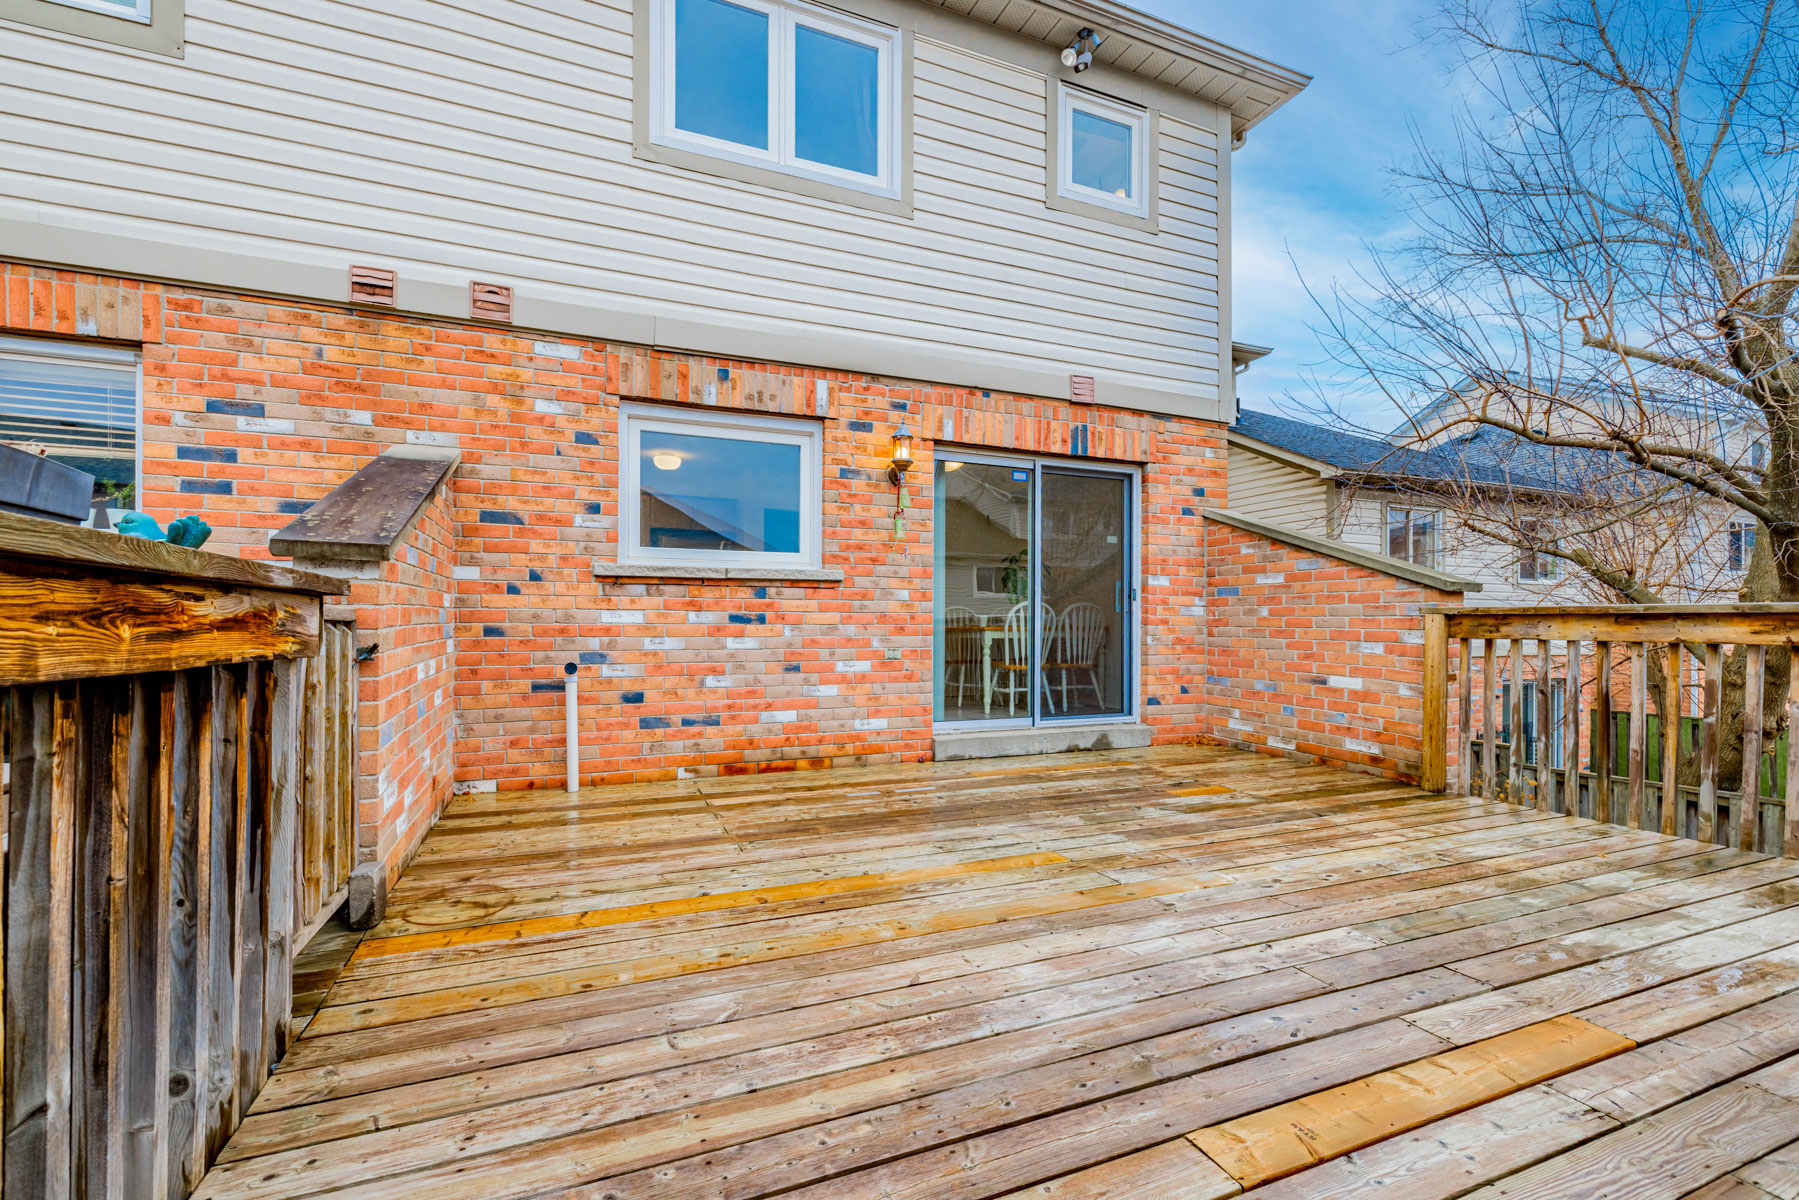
[787,87]
[131,10]
[1412,535]
[709,488]
[1741,544]
[1103,151]
[77,402]
[154,25]
[1537,565]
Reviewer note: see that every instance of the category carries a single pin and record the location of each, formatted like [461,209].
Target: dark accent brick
[790,668]
[709,719]
[1155,700]
[534,575]
[630,697]
[596,506]
[546,685]
[493,631]
[219,454]
[236,408]
[499,516]
[1229,591]
[862,426]
[591,658]
[652,722]
[760,593]
[513,589]
[747,618]
[207,487]
[1186,511]
[724,373]
[292,507]
[584,438]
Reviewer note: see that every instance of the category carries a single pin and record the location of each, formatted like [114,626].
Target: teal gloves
[182,531]
[189,531]
[136,524]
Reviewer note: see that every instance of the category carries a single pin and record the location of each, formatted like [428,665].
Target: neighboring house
[1374,496]
[670,284]
[1402,498]
[1717,538]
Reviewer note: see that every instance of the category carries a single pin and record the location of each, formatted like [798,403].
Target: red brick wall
[404,609]
[1313,655]
[254,408]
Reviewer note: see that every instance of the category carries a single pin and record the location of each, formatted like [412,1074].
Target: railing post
[1464,747]
[1514,776]
[1603,727]
[1673,816]
[1573,706]
[1434,770]
[1791,831]
[1489,731]
[1708,744]
[1545,776]
[1749,805]
[1636,748]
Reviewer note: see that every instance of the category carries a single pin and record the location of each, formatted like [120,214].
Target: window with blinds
[77,402]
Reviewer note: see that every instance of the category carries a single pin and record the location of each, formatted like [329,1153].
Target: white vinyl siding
[494,140]
[1460,552]
[1277,492]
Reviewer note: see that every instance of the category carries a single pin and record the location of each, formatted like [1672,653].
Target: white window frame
[635,419]
[784,16]
[1415,511]
[98,357]
[1551,564]
[140,12]
[1745,533]
[1073,99]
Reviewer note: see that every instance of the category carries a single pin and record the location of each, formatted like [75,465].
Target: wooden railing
[1522,704]
[175,745]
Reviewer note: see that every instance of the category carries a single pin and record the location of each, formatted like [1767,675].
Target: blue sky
[1312,185]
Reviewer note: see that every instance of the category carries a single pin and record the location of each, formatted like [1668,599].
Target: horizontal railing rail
[1527,680]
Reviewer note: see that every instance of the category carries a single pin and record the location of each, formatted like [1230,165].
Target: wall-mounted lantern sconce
[901,456]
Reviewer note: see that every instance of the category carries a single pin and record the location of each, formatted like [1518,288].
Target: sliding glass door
[1086,590]
[1035,591]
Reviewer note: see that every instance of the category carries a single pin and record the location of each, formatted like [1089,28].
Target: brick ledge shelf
[803,576]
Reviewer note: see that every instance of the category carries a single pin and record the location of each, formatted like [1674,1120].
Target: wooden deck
[1175,973]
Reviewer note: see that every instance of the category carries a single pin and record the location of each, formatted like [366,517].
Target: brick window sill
[802,576]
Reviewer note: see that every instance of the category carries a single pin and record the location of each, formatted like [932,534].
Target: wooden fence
[1599,659]
[177,750]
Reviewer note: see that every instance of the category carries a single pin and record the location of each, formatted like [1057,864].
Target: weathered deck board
[1034,979]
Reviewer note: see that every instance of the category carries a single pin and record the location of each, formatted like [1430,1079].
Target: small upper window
[131,10]
[78,404]
[1102,151]
[701,489]
[1412,535]
[780,85]
[1741,544]
[1535,563]
[153,25]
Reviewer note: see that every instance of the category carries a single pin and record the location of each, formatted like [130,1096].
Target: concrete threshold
[1042,739]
